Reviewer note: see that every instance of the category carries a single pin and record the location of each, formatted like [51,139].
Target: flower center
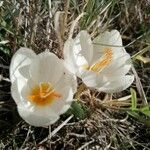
[43,94]
[102,62]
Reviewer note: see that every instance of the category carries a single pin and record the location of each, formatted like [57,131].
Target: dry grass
[108,121]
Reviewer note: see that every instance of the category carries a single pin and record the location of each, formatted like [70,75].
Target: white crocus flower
[41,86]
[102,64]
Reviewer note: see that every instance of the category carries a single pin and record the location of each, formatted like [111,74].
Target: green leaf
[142,119]
[77,110]
[134,114]
[133,99]
[146,110]
[5,50]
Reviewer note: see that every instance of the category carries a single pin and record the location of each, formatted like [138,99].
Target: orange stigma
[43,94]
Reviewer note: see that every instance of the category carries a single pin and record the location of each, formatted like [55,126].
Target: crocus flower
[102,64]
[41,86]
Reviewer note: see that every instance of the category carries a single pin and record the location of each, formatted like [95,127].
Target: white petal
[67,86]
[37,116]
[119,66]
[110,40]
[65,108]
[24,71]
[67,97]
[93,79]
[69,79]
[46,67]
[69,58]
[84,45]
[78,52]
[115,38]
[21,58]
[117,84]
[26,90]
[45,115]
[16,89]
[122,70]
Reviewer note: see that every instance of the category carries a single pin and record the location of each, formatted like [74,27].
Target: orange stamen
[104,62]
[43,94]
